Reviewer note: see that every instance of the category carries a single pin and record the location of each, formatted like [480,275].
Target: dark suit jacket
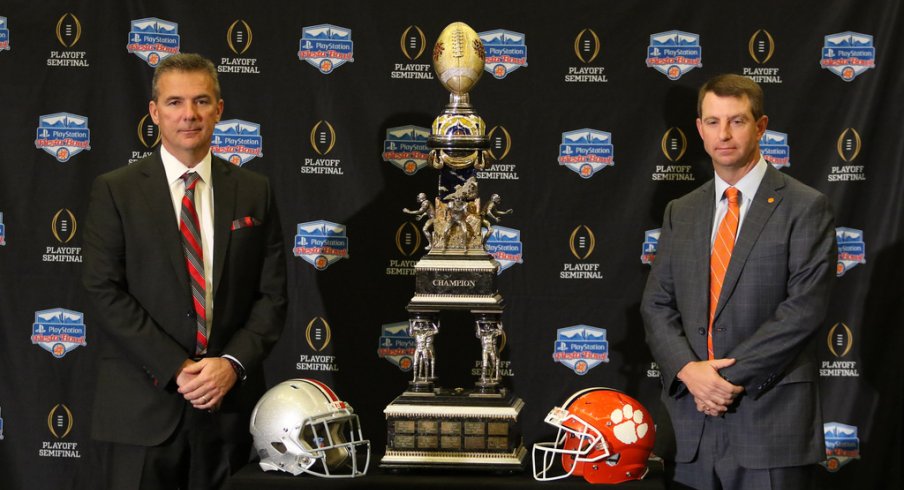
[135,275]
[773,300]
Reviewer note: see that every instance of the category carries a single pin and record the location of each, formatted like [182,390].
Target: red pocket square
[245,222]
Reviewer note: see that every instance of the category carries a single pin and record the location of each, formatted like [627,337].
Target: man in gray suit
[734,334]
[185,269]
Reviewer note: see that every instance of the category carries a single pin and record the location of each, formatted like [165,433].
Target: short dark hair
[185,62]
[731,85]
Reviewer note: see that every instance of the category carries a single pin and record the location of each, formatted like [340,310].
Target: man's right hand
[712,393]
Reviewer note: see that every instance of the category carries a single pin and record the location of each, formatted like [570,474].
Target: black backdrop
[322,138]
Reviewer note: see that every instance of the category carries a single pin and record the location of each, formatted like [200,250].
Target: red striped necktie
[194,257]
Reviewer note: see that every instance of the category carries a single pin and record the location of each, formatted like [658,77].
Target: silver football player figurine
[423,331]
[427,210]
[490,211]
[487,331]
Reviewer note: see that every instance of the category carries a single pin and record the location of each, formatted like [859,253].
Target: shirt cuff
[237,366]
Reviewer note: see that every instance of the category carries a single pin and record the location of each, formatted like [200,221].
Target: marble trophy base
[454,429]
[455,280]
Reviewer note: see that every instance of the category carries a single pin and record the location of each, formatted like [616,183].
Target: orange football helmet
[604,436]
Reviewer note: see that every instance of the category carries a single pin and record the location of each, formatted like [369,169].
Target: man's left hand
[213,378]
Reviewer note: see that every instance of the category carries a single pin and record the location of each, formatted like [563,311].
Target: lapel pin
[770,200]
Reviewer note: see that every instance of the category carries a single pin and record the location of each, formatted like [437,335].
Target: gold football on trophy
[458,58]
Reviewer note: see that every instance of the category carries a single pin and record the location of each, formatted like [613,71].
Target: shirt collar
[748,184]
[175,169]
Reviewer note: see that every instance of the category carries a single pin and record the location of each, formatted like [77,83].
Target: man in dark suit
[187,279]
[734,334]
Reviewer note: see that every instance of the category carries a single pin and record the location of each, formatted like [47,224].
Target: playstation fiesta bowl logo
[153,40]
[586,151]
[63,135]
[581,348]
[506,51]
[674,53]
[321,243]
[4,34]
[59,331]
[406,148]
[504,244]
[236,141]
[848,54]
[650,245]
[851,249]
[326,47]
[396,346]
[775,149]
[842,445]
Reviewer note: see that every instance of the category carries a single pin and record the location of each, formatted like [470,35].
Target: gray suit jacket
[773,300]
[135,275]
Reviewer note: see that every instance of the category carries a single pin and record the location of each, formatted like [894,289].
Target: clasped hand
[712,393]
[204,383]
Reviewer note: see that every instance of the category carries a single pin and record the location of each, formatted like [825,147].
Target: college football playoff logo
[674,144]
[587,46]
[761,46]
[849,144]
[413,42]
[408,239]
[239,36]
[582,242]
[68,30]
[63,225]
[148,132]
[318,334]
[840,340]
[323,137]
[60,421]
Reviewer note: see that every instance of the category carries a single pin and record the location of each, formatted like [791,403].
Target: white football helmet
[301,426]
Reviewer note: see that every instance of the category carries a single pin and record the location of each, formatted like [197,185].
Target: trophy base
[454,429]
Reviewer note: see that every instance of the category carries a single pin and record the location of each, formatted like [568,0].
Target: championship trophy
[427,425]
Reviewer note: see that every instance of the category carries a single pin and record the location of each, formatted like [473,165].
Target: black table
[251,477]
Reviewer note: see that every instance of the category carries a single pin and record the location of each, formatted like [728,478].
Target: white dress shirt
[748,186]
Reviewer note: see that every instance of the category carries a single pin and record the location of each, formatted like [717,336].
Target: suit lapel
[760,210]
[157,195]
[224,195]
[703,238]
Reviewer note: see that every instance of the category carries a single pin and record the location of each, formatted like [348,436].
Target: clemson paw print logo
[629,425]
